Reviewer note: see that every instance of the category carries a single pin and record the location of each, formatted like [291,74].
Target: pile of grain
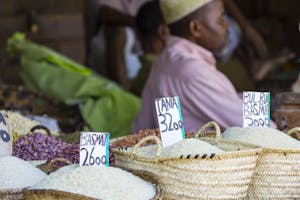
[106,183]
[17,173]
[190,146]
[264,137]
[20,125]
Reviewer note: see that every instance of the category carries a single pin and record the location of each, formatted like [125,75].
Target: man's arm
[250,33]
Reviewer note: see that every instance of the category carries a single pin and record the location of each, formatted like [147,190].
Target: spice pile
[38,146]
[133,139]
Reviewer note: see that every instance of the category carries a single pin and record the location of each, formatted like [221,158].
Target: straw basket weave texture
[190,177]
[55,194]
[295,133]
[50,167]
[11,194]
[277,173]
[52,194]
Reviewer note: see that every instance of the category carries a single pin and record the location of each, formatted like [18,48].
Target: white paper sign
[170,120]
[5,136]
[256,109]
[94,149]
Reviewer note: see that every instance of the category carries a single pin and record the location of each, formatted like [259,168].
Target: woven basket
[11,194]
[295,133]
[51,165]
[277,174]
[52,194]
[190,177]
[55,194]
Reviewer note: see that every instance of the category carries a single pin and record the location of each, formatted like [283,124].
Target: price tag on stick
[5,136]
[94,149]
[170,120]
[256,109]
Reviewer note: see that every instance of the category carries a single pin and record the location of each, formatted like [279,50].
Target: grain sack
[264,137]
[190,146]
[106,183]
[17,173]
[5,135]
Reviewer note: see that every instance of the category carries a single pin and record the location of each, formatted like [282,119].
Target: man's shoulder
[182,62]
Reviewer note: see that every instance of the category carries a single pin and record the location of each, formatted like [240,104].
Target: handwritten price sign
[94,149]
[5,136]
[256,109]
[170,120]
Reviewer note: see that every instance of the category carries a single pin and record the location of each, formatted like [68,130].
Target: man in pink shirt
[187,68]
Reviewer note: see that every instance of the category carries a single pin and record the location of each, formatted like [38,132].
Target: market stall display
[100,183]
[277,174]
[39,146]
[194,176]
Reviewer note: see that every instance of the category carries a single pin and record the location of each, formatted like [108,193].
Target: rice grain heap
[19,125]
[264,137]
[17,173]
[106,183]
[190,146]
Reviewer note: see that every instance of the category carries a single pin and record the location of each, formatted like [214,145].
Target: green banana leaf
[103,104]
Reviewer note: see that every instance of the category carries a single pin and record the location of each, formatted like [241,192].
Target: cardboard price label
[256,109]
[5,136]
[170,120]
[94,149]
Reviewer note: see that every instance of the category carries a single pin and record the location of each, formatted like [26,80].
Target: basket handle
[37,127]
[203,132]
[294,131]
[145,140]
[81,125]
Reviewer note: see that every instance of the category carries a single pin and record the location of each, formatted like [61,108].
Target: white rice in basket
[190,146]
[17,173]
[106,183]
[264,137]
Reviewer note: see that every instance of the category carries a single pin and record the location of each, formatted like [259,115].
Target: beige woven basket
[190,177]
[55,194]
[277,174]
[295,133]
[11,194]
[50,167]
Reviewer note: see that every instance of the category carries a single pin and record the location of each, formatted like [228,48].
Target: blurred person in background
[110,51]
[187,68]
[248,45]
[152,33]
